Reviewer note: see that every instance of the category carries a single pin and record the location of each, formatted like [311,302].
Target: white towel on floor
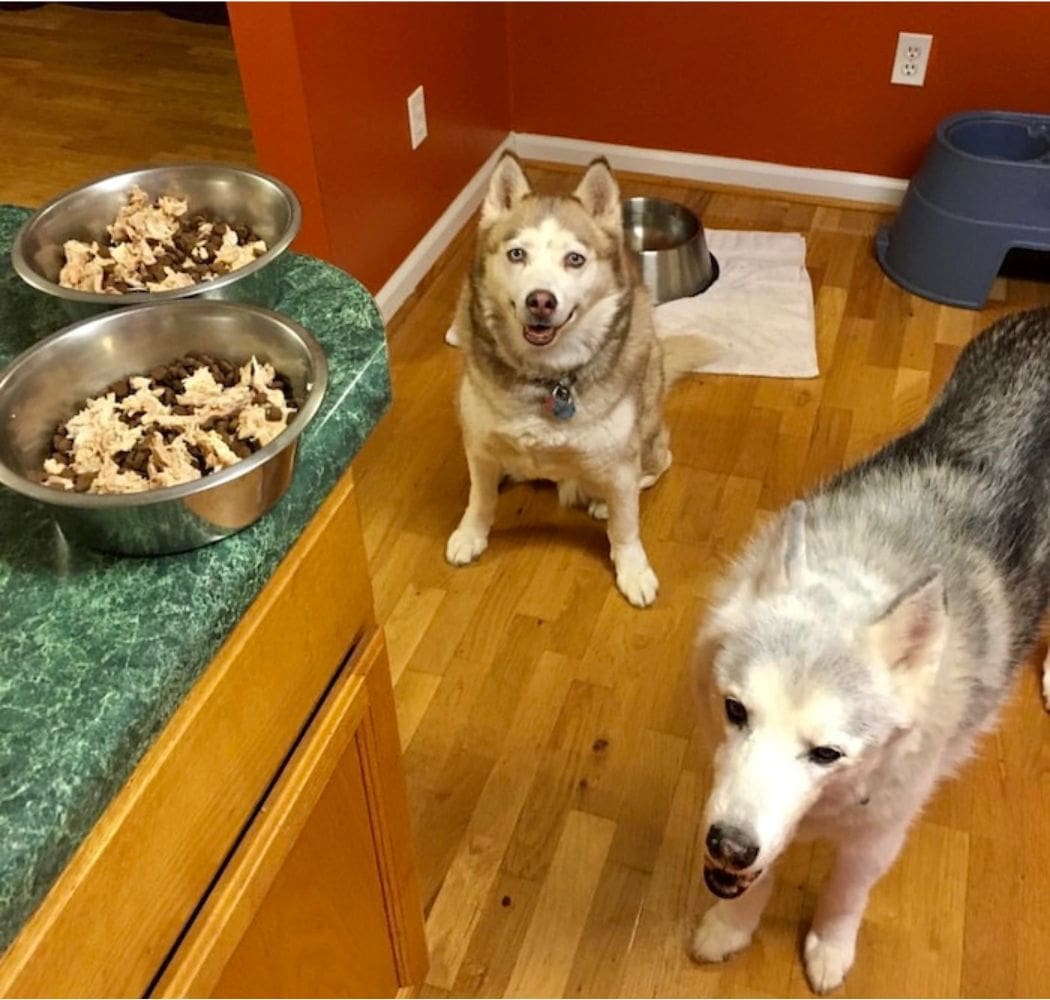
[759,312]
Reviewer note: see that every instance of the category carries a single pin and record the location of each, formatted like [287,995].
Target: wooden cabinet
[262,845]
[304,907]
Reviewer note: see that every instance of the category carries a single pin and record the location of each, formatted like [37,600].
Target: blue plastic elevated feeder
[982,190]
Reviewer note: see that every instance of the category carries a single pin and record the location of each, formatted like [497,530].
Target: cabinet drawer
[309,903]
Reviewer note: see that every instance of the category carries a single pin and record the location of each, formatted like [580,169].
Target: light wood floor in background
[89,92]
[555,766]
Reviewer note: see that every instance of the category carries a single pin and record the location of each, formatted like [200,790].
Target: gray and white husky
[868,636]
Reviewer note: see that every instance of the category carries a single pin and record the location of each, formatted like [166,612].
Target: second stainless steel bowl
[232,193]
[45,385]
[667,242]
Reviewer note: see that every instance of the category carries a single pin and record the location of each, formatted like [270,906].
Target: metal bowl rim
[162,494]
[697,234]
[39,282]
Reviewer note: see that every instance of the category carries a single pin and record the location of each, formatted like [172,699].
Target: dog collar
[559,402]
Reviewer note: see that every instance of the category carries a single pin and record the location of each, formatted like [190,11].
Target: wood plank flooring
[91,92]
[556,766]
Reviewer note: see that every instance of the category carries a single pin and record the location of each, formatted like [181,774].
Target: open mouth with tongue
[727,884]
[542,334]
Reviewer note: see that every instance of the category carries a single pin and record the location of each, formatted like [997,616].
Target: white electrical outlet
[417,116]
[911,58]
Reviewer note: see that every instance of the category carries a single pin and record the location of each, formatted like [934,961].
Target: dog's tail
[684,354]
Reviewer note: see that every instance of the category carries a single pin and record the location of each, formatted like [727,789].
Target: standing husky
[863,642]
[563,376]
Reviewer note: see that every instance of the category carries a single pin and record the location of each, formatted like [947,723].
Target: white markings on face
[550,258]
[766,775]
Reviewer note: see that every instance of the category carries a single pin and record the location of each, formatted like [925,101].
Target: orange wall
[804,84]
[795,83]
[369,195]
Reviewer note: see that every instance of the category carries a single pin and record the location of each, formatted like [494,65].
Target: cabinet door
[302,909]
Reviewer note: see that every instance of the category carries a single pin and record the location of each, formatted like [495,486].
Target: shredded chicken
[143,433]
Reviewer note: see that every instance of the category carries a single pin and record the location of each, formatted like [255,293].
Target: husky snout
[731,850]
[731,846]
[541,322]
[541,304]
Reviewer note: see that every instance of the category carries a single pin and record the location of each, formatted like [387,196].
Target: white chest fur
[531,443]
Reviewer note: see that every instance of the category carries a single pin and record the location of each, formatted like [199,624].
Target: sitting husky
[563,377]
[869,635]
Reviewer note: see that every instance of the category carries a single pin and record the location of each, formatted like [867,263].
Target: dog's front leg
[832,940]
[471,538]
[728,926]
[634,575]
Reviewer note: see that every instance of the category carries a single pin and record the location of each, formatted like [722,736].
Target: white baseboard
[841,184]
[402,283]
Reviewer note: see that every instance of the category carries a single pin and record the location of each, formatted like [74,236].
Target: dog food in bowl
[179,423]
[157,246]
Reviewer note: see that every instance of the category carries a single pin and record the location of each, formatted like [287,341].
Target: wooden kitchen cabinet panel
[313,902]
[113,916]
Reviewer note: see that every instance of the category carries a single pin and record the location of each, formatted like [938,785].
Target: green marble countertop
[97,652]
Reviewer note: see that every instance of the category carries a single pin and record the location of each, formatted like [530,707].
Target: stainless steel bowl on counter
[235,194]
[48,383]
[667,243]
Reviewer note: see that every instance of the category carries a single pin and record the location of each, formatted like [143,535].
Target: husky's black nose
[541,302]
[731,846]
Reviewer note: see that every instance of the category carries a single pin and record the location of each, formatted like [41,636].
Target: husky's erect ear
[784,563]
[599,193]
[913,629]
[507,187]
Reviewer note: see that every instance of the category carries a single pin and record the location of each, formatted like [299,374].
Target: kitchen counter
[97,652]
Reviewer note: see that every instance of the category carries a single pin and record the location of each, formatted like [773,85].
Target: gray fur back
[967,491]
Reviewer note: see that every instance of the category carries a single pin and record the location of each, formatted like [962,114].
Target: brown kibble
[158,373]
[182,410]
[62,444]
[241,448]
[197,456]
[273,413]
[120,389]
[82,483]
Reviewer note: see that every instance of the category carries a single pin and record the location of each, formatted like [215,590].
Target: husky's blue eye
[575,259]
[824,755]
[516,255]
[735,712]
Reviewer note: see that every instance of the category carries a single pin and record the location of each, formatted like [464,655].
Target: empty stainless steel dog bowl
[667,242]
[233,193]
[46,384]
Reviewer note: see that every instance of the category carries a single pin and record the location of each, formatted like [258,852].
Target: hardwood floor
[90,92]
[556,768]
[555,764]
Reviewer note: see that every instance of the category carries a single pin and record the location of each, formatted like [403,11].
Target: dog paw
[465,545]
[827,963]
[638,583]
[716,939]
[599,510]
[570,494]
